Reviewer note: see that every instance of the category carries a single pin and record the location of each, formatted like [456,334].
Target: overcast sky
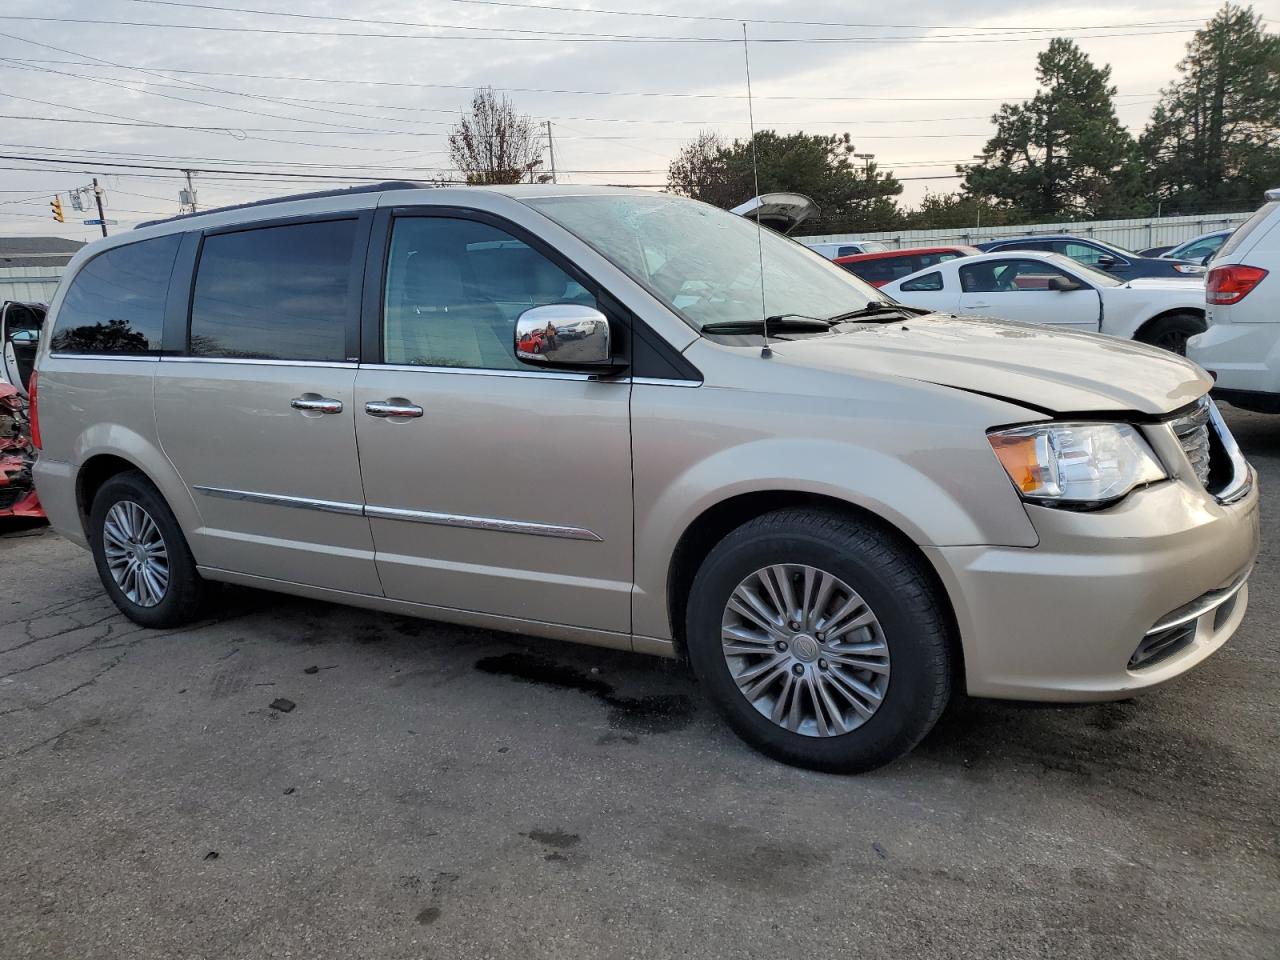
[920,104]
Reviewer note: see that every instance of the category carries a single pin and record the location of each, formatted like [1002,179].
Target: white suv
[1241,347]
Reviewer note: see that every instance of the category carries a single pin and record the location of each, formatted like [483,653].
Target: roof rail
[346,191]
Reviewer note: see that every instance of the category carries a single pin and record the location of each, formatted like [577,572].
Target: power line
[580,37]
[551,90]
[674,16]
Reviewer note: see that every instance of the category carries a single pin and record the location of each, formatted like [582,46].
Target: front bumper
[1061,621]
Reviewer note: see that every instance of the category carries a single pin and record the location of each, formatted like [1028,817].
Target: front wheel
[142,557]
[821,639]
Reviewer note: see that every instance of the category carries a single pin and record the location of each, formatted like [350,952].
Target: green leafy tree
[1062,154]
[1214,139]
[938,211]
[850,195]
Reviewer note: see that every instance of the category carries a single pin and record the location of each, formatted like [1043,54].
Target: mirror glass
[563,334]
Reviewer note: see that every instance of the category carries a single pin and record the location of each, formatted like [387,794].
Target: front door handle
[311,403]
[392,408]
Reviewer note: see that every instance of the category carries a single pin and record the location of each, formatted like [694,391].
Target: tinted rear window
[115,304]
[275,293]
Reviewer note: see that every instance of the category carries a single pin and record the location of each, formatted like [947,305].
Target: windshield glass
[1099,278]
[703,262]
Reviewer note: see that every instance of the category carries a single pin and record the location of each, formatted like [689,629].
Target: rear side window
[1246,229]
[115,304]
[930,281]
[275,293]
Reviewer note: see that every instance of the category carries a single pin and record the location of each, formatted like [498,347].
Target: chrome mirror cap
[563,334]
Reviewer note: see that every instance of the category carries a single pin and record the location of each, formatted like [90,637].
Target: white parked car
[1241,347]
[847,248]
[1053,289]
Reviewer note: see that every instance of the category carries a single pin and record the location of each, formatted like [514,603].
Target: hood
[1056,370]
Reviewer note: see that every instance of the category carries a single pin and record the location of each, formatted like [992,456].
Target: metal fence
[29,284]
[1132,234]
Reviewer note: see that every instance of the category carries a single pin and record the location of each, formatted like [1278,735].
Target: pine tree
[1063,154]
[1214,139]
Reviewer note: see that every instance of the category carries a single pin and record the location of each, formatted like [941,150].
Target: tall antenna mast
[766,350]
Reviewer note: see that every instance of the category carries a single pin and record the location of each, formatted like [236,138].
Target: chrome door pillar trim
[497,524]
[280,500]
[481,523]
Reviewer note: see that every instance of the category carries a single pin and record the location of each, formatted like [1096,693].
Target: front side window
[115,304]
[455,288]
[704,263]
[1009,276]
[930,281]
[275,293]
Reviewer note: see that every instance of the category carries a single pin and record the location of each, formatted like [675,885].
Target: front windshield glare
[703,262]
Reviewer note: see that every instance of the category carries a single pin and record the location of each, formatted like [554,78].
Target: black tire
[184,597]
[1172,332]
[894,583]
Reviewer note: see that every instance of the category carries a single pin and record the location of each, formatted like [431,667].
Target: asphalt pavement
[294,779]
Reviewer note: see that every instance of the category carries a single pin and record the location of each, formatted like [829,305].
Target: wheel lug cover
[798,670]
[781,646]
[822,664]
[795,624]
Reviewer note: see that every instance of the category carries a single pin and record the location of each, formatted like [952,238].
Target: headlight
[1188,268]
[1076,464]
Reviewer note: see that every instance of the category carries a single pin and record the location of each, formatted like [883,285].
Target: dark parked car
[889,265]
[1124,264]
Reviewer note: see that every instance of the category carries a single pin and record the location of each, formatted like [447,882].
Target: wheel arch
[718,520]
[1144,328]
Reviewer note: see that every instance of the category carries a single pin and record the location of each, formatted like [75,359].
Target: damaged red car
[19,335]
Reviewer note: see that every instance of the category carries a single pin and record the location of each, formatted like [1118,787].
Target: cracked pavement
[451,793]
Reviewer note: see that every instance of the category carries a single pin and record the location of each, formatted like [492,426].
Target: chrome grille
[1192,430]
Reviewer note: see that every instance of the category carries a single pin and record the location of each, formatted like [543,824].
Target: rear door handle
[315,404]
[392,408]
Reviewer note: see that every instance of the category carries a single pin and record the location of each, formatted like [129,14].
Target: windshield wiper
[781,321]
[876,307]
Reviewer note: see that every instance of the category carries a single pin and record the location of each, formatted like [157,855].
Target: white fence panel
[29,284]
[1135,234]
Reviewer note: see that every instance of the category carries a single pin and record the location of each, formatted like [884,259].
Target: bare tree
[494,143]
[701,170]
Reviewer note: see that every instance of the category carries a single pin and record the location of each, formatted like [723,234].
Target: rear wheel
[1172,332]
[142,557]
[821,639]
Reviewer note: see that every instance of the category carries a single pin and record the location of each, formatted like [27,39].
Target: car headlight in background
[1076,464]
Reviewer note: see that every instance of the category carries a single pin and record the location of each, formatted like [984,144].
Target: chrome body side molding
[497,524]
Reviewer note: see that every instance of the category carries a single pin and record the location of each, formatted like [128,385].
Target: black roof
[37,251]
[316,195]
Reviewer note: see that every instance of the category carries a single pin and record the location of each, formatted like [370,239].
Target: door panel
[259,418]
[253,462]
[550,454]
[510,493]
[1017,289]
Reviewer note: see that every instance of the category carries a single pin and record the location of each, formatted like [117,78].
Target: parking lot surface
[293,779]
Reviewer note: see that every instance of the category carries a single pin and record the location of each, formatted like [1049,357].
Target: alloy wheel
[805,650]
[136,553]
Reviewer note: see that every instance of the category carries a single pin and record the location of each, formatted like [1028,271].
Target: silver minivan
[633,420]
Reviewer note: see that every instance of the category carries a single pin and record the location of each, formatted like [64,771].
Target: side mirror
[1063,285]
[563,335]
[1107,262]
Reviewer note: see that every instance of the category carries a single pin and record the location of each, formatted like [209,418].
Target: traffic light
[56,206]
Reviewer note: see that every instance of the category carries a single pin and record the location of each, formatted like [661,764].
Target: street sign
[95,222]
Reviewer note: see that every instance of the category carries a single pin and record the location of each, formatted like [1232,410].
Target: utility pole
[189,200]
[551,148]
[102,215]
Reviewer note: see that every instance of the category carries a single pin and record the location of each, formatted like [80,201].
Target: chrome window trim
[664,382]
[281,500]
[262,362]
[497,524]
[103,356]
[483,371]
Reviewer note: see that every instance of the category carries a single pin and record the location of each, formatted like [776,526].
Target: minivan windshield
[704,263]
